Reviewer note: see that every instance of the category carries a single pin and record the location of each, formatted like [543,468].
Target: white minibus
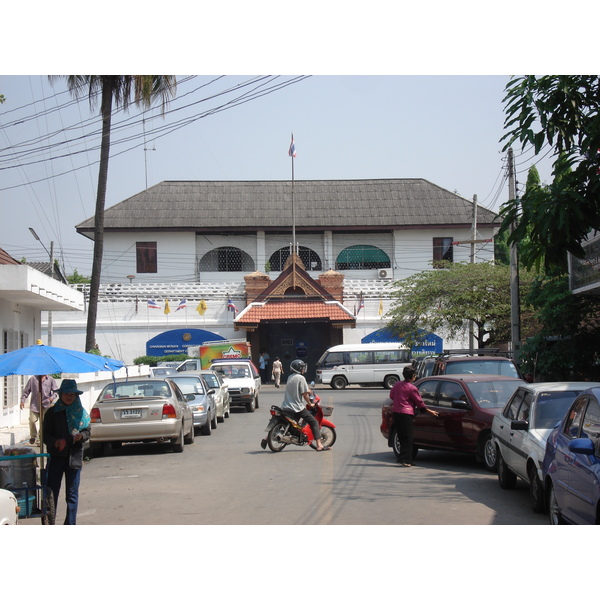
[374,364]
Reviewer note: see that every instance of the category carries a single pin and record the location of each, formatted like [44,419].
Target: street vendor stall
[22,471]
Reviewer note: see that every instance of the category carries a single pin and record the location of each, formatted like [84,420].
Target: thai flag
[361,304]
[152,304]
[292,150]
[182,304]
[231,306]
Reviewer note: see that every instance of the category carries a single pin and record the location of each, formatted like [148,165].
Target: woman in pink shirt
[406,398]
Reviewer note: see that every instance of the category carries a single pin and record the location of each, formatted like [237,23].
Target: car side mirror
[190,397]
[211,392]
[582,446]
[519,425]
[460,404]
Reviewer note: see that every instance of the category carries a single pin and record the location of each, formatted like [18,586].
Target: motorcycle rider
[297,396]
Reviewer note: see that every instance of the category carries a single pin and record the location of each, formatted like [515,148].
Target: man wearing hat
[66,428]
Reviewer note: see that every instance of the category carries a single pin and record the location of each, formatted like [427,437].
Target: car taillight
[95,416]
[169,411]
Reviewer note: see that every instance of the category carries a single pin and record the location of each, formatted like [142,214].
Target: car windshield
[493,394]
[136,389]
[211,381]
[188,385]
[482,367]
[551,407]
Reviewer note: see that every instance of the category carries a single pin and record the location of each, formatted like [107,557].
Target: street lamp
[51,255]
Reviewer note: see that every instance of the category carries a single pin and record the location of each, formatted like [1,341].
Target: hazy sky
[445,129]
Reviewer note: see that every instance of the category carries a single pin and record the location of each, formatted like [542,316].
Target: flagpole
[293,206]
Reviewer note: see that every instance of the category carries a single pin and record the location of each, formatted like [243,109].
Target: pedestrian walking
[277,371]
[66,428]
[36,408]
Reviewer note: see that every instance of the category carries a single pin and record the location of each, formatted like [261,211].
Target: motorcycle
[283,430]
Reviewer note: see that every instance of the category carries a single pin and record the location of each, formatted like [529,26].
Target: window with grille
[310,259]
[146,257]
[227,259]
[443,250]
[362,257]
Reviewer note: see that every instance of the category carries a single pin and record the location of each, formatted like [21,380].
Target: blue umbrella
[46,360]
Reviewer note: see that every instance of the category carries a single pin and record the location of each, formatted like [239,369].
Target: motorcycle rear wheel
[328,437]
[274,444]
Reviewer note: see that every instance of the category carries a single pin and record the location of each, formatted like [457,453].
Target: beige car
[141,410]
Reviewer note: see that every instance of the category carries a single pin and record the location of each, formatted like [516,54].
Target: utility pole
[474,238]
[515,307]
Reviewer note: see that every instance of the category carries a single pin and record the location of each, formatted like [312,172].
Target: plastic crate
[26,505]
[327,410]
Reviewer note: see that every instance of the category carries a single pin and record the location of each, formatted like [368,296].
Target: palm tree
[119,90]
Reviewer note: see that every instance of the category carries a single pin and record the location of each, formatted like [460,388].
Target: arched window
[311,259]
[226,259]
[362,257]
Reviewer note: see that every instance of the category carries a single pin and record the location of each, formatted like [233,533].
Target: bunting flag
[380,307]
[231,307]
[201,308]
[167,309]
[182,304]
[292,150]
[361,303]
[152,304]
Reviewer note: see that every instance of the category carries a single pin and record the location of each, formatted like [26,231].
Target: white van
[375,364]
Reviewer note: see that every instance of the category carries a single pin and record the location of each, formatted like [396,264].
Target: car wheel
[553,510]
[536,490]
[390,381]
[338,383]
[189,438]
[506,478]
[490,453]
[213,422]
[96,449]
[396,444]
[250,406]
[206,428]
[177,443]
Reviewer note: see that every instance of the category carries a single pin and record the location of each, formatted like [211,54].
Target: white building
[217,241]
[24,293]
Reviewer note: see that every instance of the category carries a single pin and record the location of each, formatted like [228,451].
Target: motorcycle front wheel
[278,431]
[328,437]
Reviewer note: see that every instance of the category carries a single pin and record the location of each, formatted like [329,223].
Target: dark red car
[466,405]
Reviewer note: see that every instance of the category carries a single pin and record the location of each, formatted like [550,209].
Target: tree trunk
[107,99]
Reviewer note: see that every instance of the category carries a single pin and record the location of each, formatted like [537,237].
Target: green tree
[566,346]
[121,91]
[446,300]
[562,112]
[77,278]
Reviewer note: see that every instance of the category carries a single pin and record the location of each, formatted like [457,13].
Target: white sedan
[9,508]
[520,432]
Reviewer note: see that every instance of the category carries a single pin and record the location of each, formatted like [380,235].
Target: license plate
[131,413]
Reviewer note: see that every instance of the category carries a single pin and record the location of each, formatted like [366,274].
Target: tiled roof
[286,311]
[267,205]
[7,259]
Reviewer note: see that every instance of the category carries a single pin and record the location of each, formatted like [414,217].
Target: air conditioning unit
[384,274]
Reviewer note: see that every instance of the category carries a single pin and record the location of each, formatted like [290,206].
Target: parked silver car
[141,410]
[203,405]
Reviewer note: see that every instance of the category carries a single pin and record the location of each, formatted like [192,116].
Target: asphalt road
[228,479]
